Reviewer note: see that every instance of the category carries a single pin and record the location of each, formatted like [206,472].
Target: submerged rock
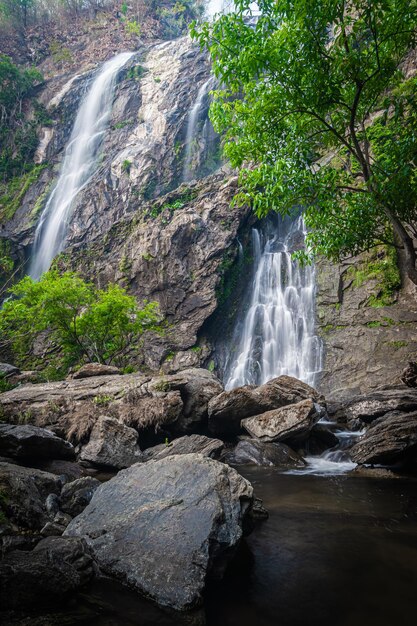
[162,527]
[112,444]
[45,576]
[254,452]
[227,410]
[291,422]
[390,439]
[186,445]
[30,442]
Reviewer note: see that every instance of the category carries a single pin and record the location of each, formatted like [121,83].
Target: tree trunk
[409,251]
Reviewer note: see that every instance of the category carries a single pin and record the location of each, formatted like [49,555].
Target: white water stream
[278,333]
[78,166]
[196,115]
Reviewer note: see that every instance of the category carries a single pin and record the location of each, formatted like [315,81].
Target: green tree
[87,324]
[317,113]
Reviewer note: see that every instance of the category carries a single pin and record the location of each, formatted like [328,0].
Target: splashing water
[277,336]
[78,166]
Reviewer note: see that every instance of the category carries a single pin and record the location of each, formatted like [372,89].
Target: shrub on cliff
[86,324]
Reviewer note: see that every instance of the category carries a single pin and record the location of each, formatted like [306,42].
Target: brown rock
[112,444]
[186,445]
[95,369]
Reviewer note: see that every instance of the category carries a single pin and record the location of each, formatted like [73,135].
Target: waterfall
[196,115]
[277,335]
[78,166]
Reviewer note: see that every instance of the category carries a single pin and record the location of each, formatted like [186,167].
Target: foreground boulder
[254,452]
[162,527]
[186,445]
[292,422]
[24,495]
[228,409]
[390,439]
[30,442]
[45,576]
[111,444]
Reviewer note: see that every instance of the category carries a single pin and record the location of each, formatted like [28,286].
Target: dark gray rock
[52,529]
[409,375]
[320,439]
[254,452]
[25,492]
[47,575]
[390,439]
[67,470]
[289,423]
[76,495]
[112,444]
[30,442]
[162,527]
[186,445]
[227,410]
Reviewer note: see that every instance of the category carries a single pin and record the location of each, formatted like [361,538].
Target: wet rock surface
[227,410]
[163,526]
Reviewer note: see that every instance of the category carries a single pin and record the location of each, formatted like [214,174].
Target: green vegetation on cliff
[84,324]
[316,111]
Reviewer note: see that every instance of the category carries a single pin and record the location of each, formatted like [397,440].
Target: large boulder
[45,576]
[197,387]
[30,442]
[371,406]
[254,452]
[24,494]
[227,410]
[112,444]
[162,527]
[289,423]
[388,440]
[186,445]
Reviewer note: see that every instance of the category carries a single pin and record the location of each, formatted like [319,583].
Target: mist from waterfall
[78,166]
[277,335]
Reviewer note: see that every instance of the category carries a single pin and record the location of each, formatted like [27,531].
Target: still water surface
[335,551]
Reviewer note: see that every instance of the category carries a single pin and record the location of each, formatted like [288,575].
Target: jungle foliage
[318,111]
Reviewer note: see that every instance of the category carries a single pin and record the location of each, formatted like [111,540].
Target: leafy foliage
[316,112]
[86,324]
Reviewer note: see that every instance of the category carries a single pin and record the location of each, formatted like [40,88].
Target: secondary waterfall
[277,335]
[197,116]
[78,166]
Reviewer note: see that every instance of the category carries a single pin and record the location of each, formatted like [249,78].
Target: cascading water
[196,116]
[277,335]
[78,166]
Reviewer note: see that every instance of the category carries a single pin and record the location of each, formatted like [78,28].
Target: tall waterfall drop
[277,334]
[197,115]
[78,166]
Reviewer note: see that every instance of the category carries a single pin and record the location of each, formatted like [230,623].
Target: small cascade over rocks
[78,165]
[277,335]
